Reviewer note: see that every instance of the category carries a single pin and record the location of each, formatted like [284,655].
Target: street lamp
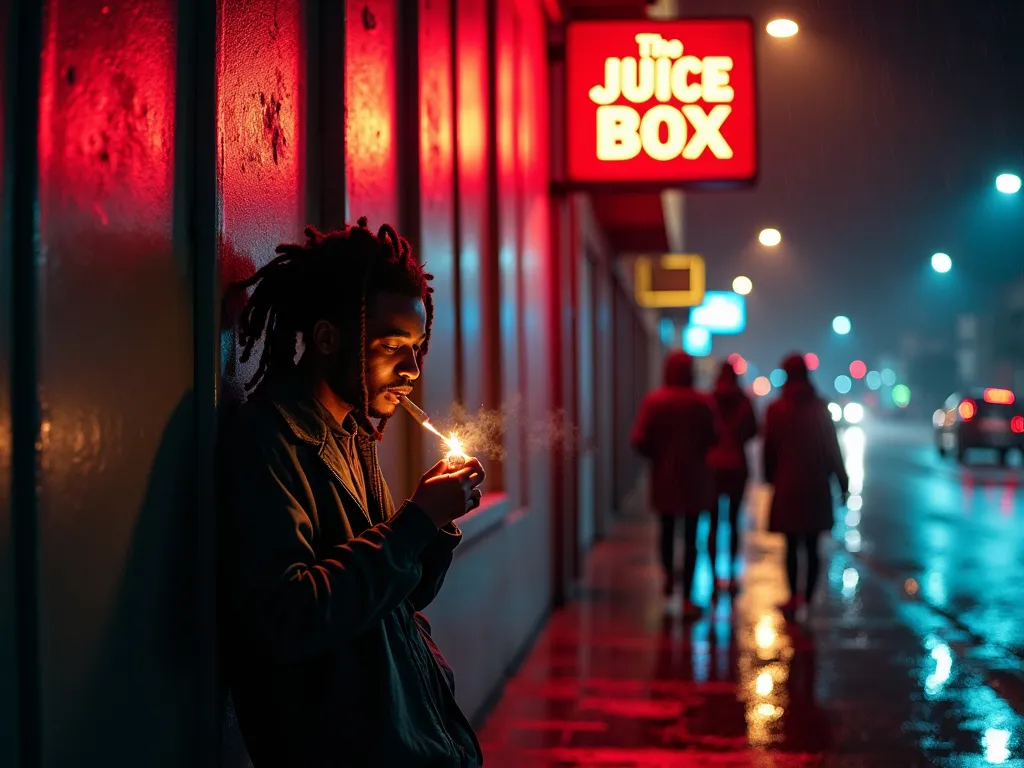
[941,263]
[1008,183]
[842,325]
[782,28]
[742,285]
[770,237]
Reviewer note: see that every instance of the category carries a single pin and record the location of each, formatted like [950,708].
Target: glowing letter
[650,132]
[707,131]
[637,87]
[609,92]
[618,136]
[681,70]
[715,81]
[646,41]
[663,79]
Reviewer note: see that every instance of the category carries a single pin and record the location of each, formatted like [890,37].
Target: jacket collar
[304,414]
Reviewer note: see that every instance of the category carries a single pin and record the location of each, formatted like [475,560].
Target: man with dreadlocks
[329,660]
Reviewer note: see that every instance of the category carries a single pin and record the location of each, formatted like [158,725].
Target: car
[987,418]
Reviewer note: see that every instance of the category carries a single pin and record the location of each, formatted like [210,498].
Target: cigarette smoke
[483,433]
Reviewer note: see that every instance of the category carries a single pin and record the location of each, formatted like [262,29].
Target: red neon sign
[661,103]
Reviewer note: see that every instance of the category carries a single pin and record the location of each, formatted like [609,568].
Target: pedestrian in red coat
[728,460]
[801,456]
[675,430]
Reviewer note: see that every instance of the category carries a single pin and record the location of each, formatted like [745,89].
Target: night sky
[883,126]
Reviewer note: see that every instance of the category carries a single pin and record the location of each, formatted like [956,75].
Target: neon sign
[667,103]
[722,312]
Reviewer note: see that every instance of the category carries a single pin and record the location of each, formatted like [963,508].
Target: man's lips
[394,393]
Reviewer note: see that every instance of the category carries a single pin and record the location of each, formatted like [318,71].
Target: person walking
[675,429]
[728,462]
[801,456]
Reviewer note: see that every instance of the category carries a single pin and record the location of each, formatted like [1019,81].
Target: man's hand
[445,495]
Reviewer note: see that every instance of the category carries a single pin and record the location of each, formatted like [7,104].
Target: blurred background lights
[836,410]
[762,386]
[888,377]
[667,331]
[901,395]
[843,384]
[873,379]
[811,360]
[777,377]
[841,325]
[858,369]
[770,237]
[942,263]
[696,341]
[996,742]
[1008,183]
[782,28]
[742,285]
[739,365]
[853,413]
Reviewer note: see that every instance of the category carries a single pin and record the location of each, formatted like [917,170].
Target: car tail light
[1017,424]
[999,396]
[967,409]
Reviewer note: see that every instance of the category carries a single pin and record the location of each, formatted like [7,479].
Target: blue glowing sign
[696,341]
[722,312]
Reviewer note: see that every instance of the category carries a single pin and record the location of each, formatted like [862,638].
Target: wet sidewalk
[869,677]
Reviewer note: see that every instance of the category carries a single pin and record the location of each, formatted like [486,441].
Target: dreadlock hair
[332,276]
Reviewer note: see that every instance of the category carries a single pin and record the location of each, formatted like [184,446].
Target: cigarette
[414,410]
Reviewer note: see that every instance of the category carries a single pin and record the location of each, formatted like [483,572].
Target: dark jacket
[737,427]
[675,429]
[328,660]
[801,456]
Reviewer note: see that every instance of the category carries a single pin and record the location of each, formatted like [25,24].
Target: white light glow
[853,413]
[782,28]
[770,237]
[1008,183]
[996,742]
[742,285]
[836,410]
[941,263]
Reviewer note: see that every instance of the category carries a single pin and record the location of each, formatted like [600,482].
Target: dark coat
[675,429]
[328,660]
[801,456]
[737,427]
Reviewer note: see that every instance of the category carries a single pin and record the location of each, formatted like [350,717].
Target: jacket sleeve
[640,438]
[836,464]
[435,560]
[297,602]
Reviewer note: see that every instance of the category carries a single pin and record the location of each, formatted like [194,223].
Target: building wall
[179,142]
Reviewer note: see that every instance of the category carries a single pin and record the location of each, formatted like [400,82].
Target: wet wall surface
[909,657]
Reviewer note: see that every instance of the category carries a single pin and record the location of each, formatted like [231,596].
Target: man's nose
[407,367]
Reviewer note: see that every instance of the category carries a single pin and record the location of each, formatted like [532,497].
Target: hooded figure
[801,456]
[675,429]
[728,459]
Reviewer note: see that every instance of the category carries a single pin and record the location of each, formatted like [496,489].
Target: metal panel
[116,494]
[372,136]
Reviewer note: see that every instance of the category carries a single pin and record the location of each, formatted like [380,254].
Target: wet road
[911,656]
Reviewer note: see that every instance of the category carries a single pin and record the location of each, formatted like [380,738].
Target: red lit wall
[115,354]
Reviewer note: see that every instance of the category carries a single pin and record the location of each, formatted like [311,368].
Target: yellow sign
[672,280]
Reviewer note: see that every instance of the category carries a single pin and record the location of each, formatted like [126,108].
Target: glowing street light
[742,285]
[770,237]
[941,263]
[782,28]
[1008,183]
[842,325]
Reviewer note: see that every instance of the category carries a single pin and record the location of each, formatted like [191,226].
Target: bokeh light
[858,369]
[901,395]
[742,285]
[873,379]
[770,237]
[853,413]
[811,360]
[842,325]
[888,377]
[1008,183]
[777,377]
[843,384]
[762,386]
[739,365]
[836,410]
[942,263]
[782,28]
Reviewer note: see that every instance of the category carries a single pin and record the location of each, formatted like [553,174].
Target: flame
[456,453]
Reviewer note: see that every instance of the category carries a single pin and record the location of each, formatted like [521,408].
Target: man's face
[396,327]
